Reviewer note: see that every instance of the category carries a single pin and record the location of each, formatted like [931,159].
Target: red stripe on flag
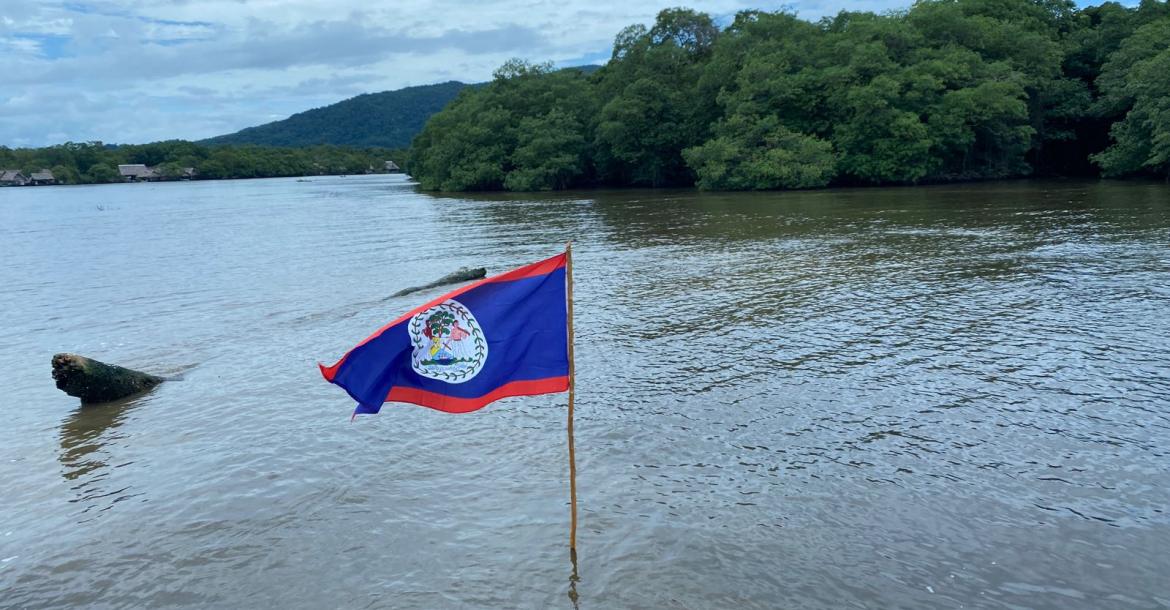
[543,267]
[453,404]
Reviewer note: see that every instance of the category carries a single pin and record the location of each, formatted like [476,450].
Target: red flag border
[453,404]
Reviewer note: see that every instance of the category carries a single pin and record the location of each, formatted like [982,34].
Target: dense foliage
[946,90]
[388,119]
[96,163]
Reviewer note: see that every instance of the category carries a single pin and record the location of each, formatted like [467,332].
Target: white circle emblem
[448,343]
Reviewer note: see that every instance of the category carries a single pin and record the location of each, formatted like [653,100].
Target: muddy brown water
[935,397]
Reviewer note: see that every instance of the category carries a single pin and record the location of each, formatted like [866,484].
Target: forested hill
[388,119]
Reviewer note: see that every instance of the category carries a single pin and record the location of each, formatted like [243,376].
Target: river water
[933,397]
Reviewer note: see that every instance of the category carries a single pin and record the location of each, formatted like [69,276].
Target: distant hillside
[389,119]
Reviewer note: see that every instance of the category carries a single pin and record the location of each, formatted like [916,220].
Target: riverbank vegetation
[97,163]
[946,90]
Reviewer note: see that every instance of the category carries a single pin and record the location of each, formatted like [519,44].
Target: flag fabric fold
[502,336]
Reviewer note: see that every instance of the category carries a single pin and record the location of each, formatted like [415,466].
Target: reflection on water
[82,434]
[574,578]
[89,441]
[953,396]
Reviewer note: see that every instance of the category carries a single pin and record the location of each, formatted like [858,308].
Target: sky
[129,71]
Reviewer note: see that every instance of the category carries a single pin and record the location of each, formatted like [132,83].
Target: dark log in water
[95,382]
[463,275]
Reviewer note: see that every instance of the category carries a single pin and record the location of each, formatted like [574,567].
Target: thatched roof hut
[43,176]
[12,177]
[136,172]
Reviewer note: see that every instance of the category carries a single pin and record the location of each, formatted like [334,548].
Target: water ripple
[916,398]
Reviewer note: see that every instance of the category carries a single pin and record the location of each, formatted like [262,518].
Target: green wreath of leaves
[440,322]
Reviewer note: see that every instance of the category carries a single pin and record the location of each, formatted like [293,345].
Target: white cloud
[129,71]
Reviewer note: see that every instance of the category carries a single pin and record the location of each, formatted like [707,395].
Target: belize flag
[505,335]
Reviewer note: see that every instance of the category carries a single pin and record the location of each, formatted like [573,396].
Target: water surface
[927,397]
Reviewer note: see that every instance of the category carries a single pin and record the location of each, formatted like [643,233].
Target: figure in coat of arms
[448,343]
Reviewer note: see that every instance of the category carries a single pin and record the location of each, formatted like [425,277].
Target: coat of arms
[448,343]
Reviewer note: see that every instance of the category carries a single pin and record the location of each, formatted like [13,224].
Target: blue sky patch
[50,46]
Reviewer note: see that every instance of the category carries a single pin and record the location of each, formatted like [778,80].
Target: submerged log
[94,381]
[463,275]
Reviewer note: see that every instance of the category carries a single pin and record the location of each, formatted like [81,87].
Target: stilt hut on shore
[42,178]
[12,177]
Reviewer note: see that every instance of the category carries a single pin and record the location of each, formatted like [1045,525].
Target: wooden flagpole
[572,393]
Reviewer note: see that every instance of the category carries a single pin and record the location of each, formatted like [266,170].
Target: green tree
[881,142]
[524,130]
[102,173]
[170,170]
[761,154]
[550,153]
[653,108]
[65,174]
[1138,76]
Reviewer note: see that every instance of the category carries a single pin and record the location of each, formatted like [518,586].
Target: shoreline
[185,181]
[825,189]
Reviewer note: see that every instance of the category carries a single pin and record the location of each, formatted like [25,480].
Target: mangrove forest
[945,90]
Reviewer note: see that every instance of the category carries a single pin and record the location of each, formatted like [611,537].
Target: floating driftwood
[94,381]
[463,275]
